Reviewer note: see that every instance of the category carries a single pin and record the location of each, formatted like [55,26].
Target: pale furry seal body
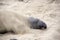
[11,21]
[17,23]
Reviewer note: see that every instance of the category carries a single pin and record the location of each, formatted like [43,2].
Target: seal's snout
[37,24]
[41,25]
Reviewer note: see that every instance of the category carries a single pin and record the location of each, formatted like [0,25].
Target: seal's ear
[36,23]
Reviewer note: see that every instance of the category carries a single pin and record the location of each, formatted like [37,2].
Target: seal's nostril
[45,27]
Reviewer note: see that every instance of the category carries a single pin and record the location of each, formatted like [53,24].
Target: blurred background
[46,10]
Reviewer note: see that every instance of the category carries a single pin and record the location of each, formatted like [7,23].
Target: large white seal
[11,21]
[17,23]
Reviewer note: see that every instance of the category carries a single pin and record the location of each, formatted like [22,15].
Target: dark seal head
[37,24]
